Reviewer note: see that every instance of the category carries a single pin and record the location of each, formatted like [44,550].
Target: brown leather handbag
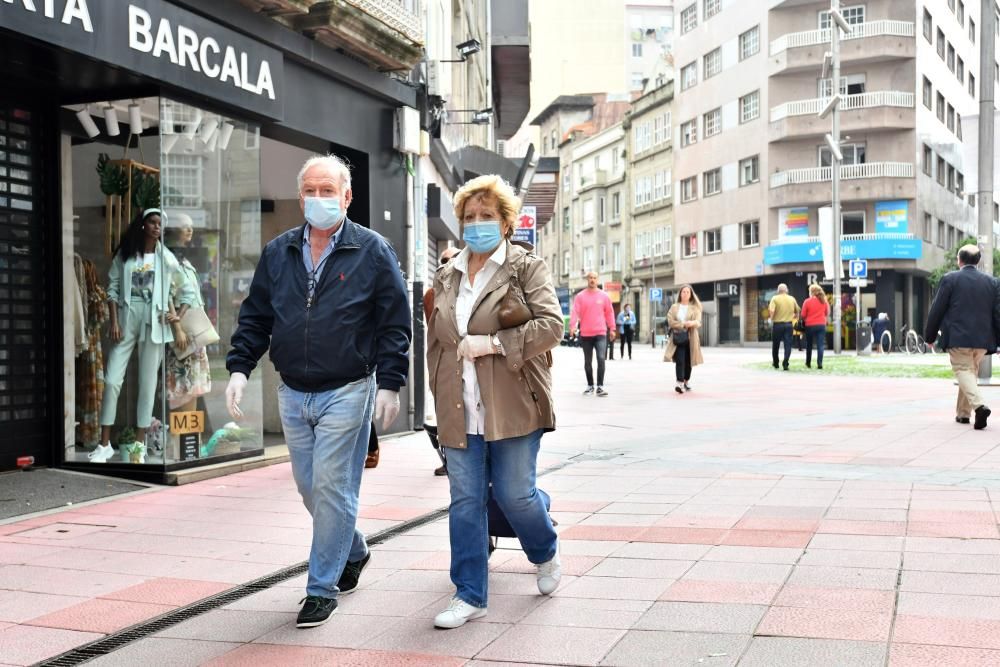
[514,311]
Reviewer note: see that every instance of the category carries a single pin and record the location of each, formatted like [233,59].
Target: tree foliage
[949,262]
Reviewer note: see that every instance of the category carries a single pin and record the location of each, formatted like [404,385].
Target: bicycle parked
[909,341]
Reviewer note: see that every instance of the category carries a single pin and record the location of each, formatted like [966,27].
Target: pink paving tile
[370,658]
[390,512]
[845,527]
[962,530]
[20,606]
[923,655]
[700,521]
[766,538]
[16,554]
[267,655]
[945,516]
[973,633]
[681,535]
[777,523]
[737,592]
[836,598]
[26,644]
[104,616]
[167,591]
[608,533]
[826,624]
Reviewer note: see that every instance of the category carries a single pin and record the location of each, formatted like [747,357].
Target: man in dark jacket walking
[966,311]
[328,300]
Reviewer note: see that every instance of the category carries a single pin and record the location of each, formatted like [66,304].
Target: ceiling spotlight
[213,142]
[87,123]
[484,117]
[208,131]
[111,121]
[225,133]
[192,127]
[466,49]
[134,118]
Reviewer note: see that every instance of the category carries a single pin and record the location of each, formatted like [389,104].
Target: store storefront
[111,109]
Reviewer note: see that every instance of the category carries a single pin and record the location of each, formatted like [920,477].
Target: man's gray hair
[783,288]
[336,166]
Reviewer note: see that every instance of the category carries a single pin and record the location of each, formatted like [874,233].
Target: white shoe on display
[549,574]
[101,454]
[457,613]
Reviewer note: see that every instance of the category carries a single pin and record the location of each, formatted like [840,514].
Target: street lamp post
[984,197]
[835,164]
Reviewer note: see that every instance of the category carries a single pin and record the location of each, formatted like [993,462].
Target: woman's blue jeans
[815,335]
[510,466]
[327,435]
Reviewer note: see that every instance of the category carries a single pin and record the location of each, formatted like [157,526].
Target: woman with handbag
[815,312]
[189,374]
[494,321]
[684,346]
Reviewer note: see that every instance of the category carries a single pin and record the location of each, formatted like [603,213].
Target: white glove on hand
[234,394]
[474,346]
[386,406]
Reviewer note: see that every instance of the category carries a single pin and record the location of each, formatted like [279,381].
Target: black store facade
[206,111]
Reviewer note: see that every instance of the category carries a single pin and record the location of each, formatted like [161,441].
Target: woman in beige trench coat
[684,316]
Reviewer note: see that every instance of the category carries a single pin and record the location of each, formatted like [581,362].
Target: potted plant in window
[130,450]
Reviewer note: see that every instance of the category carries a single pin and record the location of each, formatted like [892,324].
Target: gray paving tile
[796,652]
[642,568]
[588,613]
[165,652]
[557,645]
[420,636]
[766,573]
[843,577]
[649,647]
[702,617]
[341,631]
[227,625]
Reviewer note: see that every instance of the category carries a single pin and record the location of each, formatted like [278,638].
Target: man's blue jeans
[327,435]
[510,466]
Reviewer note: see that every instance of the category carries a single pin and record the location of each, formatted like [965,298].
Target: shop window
[852,222]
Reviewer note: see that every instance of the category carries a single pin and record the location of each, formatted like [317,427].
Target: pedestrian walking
[328,301]
[684,344]
[782,310]
[431,429]
[495,319]
[966,313]
[593,312]
[815,313]
[626,329]
[879,327]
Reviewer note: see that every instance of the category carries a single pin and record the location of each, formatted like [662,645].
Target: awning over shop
[511,65]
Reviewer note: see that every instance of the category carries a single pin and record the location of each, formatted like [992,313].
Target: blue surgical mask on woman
[323,212]
[483,236]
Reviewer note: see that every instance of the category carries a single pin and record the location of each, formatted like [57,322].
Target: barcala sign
[159,40]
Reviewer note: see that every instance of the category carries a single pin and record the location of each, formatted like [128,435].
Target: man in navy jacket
[966,312]
[328,300]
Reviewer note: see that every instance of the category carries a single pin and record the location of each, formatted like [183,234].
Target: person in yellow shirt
[783,310]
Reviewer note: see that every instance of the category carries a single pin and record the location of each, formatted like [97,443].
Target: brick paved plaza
[766,518]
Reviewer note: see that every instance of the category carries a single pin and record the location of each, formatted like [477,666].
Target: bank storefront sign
[902,246]
[159,40]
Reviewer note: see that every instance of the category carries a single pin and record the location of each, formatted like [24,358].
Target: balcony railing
[845,238]
[885,28]
[881,98]
[847,172]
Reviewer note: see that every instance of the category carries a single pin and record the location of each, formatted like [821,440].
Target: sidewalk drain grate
[116,641]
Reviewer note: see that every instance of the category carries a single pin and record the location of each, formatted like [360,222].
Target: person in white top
[495,316]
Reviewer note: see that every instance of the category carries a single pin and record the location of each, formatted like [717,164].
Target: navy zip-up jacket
[358,320]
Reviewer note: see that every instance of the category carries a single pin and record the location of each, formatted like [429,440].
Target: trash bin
[864,338]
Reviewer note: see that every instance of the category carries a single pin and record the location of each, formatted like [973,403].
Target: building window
[951,118]
[750,106]
[638,81]
[853,154]
[712,122]
[972,31]
[184,173]
[951,5]
[958,125]
[960,15]
[637,49]
[950,184]
[853,15]
[960,70]
[689,18]
[928,163]
[749,42]
[749,170]
[940,43]
[713,182]
[602,257]
[659,186]
[928,26]
[950,60]
[928,228]
[566,219]
[566,180]
[588,213]
[689,133]
[750,233]
[972,85]
[940,174]
[588,258]
[565,266]
[928,94]
[616,206]
[689,189]
[689,245]
[712,63]
[713,241]
[940,107]
[959,184]
[689,75]
[602,203]
[616,256]
[940,233]
[712,7]
[852,222]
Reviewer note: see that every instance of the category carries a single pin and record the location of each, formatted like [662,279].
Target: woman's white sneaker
[549,574]
[457,613]
[101,454]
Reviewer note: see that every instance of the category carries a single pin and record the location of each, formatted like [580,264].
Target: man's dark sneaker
[962,420]
[317,610]
[775,366]
[601,392]
[982,414]
[352,572]
[588,391]
[784,366]
[441,472]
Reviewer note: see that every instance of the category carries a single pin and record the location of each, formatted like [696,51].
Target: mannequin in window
[190,377]
[142,277]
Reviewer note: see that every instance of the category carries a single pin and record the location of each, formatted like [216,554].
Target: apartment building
[753,171]
[649,228]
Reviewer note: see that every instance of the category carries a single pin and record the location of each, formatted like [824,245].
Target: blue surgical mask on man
[323,212]
[483,236]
